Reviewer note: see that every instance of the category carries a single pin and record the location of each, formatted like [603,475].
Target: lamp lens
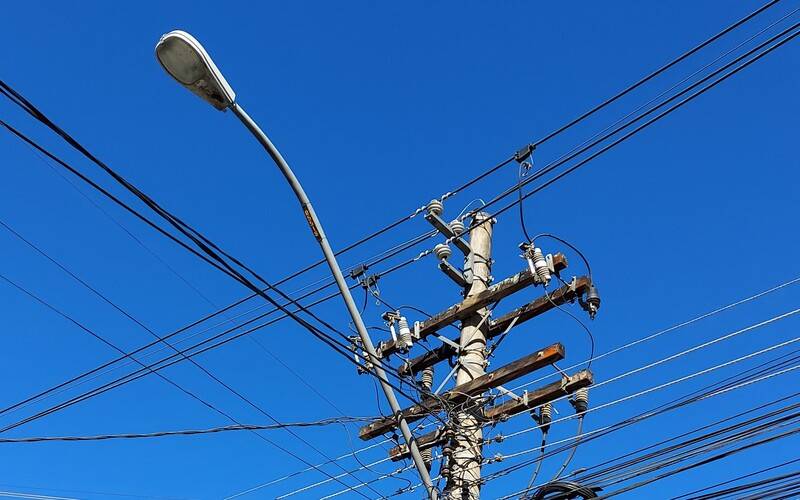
[181,60]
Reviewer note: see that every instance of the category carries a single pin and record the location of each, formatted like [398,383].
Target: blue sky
[380,108]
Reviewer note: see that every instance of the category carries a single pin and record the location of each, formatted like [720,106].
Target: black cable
[656,72]
[104,365]
[185,432]
[162,376]
[703,462]
[207,247]
[575,445]
[699,395]
[218,344]
[703,393]
[522,172]
[737,478]
[337,346]
[575,249]
[540,141]
[577,320]
[649,122]
[538,467]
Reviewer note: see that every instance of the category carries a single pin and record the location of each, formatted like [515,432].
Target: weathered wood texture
[472,304]
[534,308]
[535,398]
[460,393]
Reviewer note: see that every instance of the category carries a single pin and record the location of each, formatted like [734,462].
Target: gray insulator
[593,301]
[427,457]
[457,226]
[580,401]
[546,413]
[540,264]
[545,416]
[404,335]
[435,207]
[442,251]
[426,378]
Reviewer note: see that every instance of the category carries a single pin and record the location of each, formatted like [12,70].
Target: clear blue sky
[380,108]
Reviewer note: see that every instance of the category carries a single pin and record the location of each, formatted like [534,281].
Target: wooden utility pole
[467,407]
[465,471]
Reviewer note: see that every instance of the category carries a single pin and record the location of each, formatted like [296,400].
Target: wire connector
[524,153]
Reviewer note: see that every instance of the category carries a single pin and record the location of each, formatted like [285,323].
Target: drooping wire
[575,445]
[216,262]
[778,43]
[171,382]
[185,432]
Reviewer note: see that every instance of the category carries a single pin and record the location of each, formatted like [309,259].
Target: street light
[186,61]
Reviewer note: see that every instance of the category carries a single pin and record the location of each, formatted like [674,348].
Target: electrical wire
[211,253]
[709,391]
[671,383]
[737,478]
[673,328]
[572,451]
[337,346]
[62,386]
[683,324]
[665,407]
[185,432]
[542,140]
[163,377]
[706,89]
[787,36]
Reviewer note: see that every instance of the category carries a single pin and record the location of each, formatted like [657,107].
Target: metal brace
[449,342]
[454,274]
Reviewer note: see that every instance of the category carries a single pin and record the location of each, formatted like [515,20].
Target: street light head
[182,56]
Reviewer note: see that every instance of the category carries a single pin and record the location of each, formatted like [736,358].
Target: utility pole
[469,405]
[465,473]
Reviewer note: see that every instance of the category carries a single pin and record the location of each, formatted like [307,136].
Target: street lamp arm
[330,258]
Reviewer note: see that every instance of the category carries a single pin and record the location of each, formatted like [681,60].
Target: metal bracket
[454,274]
[524,153]
[447,341]
[357,271]
[510,393]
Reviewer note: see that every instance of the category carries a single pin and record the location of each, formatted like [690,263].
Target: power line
[208,250]
[724,389]
[737,478]
[637,129]
[540,141]
[187,432]
[337,345]
[655,73]
[171,382]
[683,324]
[122,311]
